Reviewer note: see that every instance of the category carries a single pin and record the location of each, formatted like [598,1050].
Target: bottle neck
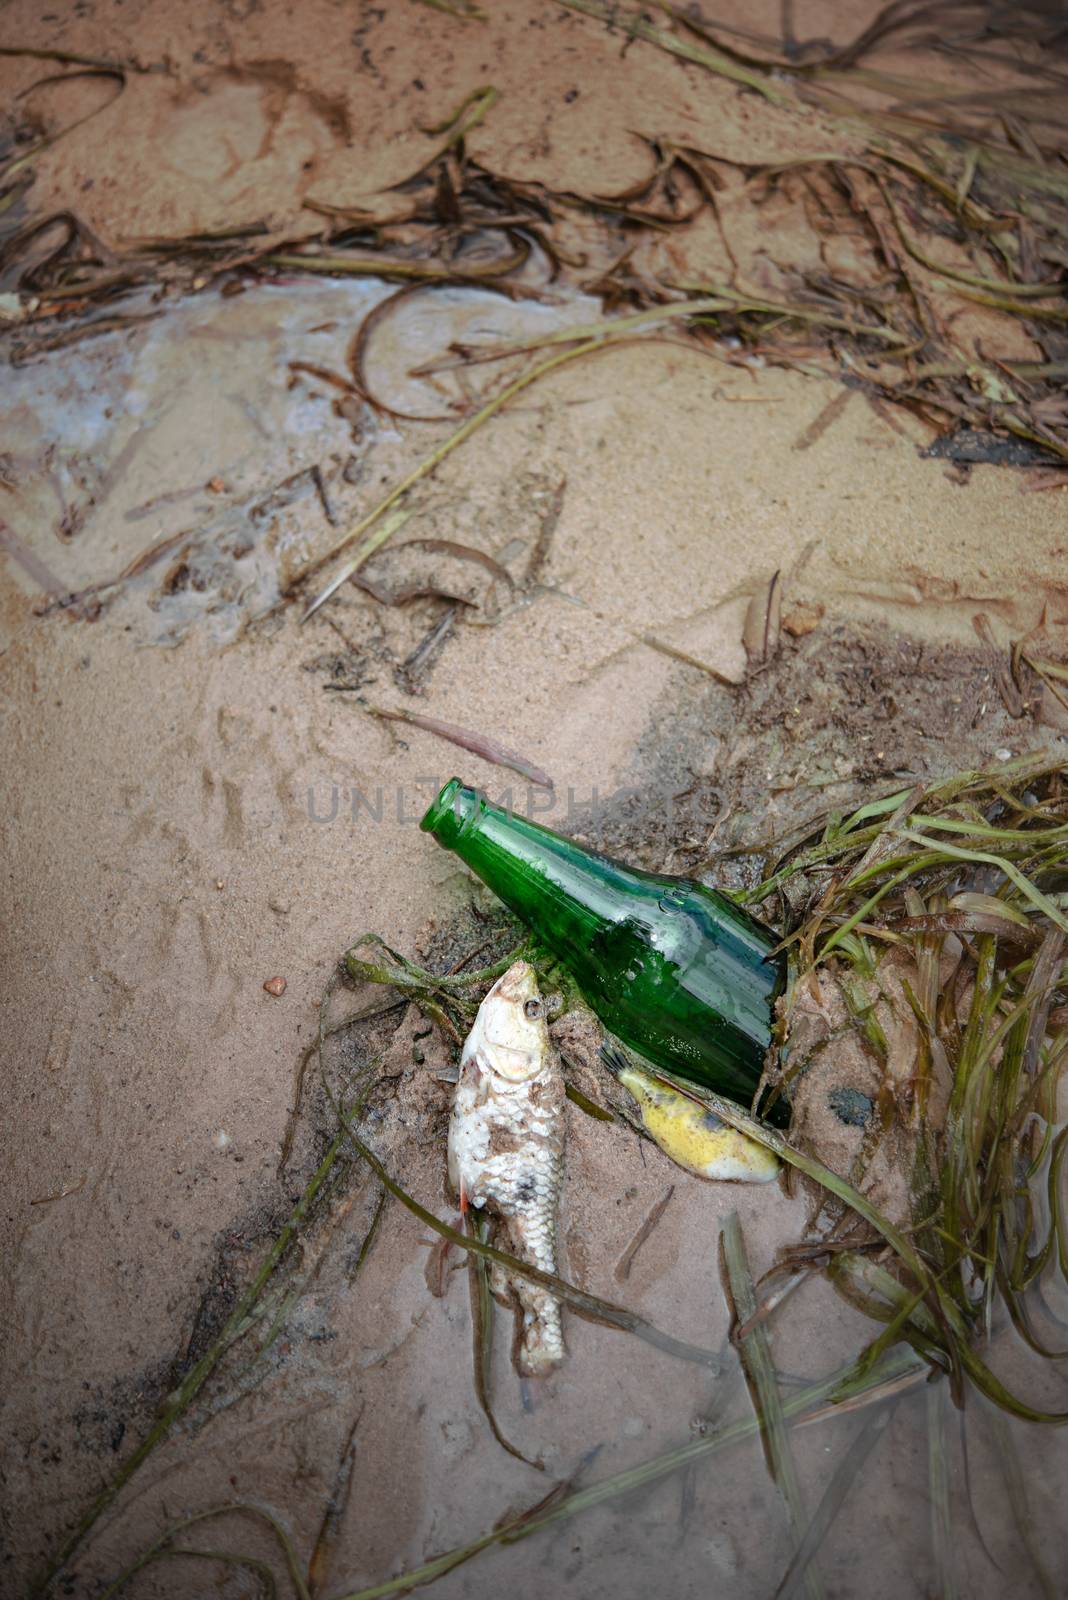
[563,892]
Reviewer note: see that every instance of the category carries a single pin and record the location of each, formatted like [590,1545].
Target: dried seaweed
[87,602]
[626,1260]
[178,1402]
[333,1515]
[803,1407]
[426,466]
[957,215]
[480,744]
[482,1327]
[912,162]
[979,859]
[763,1381]
[462,552]
[84,67]
[353,264]
[357,357]
[637,27]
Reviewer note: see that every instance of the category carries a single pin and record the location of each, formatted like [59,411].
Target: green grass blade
[1008,1460]
[805,1405]
[755,1353]
[159,1548]
[938,1482]
[846,1474]
[986,858]
[178,1402]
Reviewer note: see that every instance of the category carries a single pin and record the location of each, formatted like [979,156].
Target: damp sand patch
[942,907]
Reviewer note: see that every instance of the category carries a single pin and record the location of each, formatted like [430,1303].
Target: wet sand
[172,842]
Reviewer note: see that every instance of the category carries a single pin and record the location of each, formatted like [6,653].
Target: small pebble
[222,1140]
[851,1106]
[1002,755]
[216,485]
[275,986]
[802,620]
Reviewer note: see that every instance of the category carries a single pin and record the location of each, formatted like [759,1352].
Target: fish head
[510,1031]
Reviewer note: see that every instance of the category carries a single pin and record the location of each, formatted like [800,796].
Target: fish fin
[613,1056]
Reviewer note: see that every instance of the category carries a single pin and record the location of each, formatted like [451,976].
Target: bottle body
[675,970]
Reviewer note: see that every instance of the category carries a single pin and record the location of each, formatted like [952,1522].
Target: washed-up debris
[999,1020]
[944,210]
[506,1141]
[974,447]
[677,972]
[626,1260]
[479,744]
[690,1135]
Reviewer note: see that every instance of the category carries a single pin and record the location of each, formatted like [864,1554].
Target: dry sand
[166,854]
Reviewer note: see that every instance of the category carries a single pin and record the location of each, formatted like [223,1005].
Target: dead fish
[689,1133]
[506,1141]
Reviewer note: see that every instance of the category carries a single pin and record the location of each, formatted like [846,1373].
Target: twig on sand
[626,1260]
[479,744]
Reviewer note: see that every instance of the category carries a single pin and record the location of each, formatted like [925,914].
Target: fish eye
[533,1009]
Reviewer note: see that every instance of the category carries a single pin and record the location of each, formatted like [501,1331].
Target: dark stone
[851,1107]
[973,447]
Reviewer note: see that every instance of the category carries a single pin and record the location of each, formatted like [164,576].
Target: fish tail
[541,1337]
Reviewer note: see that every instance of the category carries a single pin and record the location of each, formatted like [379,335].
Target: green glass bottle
[678,972]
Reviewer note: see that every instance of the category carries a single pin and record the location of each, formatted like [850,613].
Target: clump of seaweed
[918,258]
[954,205]
[964,885]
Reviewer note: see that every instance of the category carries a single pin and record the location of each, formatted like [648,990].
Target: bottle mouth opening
[451,812]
